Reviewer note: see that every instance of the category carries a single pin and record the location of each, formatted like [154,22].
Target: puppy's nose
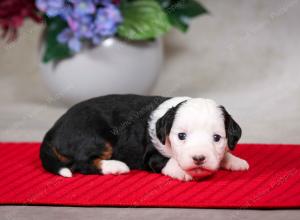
[198,160]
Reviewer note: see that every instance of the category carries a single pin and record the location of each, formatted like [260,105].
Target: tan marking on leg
[107,152]
[97,163]
[59,156]
[105,155]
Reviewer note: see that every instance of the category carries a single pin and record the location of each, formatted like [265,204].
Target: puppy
[181,137]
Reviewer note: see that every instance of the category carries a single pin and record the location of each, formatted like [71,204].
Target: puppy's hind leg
[65,172]
[105,165]
[112,167]
[53,161]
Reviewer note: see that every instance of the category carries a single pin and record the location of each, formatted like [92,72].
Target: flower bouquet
[74,23]
[97,47]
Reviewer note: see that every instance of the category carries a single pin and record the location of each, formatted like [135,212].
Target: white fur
[113,167]
[200,119]
[155,116]
[173,170]
[231,162]
[65,172]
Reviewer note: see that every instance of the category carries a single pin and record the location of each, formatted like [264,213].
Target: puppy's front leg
[231,162]
[173,170]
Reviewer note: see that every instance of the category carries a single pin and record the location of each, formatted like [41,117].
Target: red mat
[272,182]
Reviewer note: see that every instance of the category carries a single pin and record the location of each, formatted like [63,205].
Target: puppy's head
[198,133]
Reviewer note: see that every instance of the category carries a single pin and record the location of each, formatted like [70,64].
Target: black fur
[164,124]
[233,130]
[81,134]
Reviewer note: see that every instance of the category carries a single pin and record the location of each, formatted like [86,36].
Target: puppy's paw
[234,163]
[237,165]
[113,167]
[173,170]
[65,172]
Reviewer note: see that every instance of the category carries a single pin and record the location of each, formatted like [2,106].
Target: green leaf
[54,50]
[180,12]
[143,20]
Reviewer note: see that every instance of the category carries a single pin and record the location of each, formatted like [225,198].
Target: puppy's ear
[164,124]
[233,130]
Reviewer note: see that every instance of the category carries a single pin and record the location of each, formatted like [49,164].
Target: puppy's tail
[53,161]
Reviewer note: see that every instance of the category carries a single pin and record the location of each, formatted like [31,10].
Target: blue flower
[83,7]
[67,36]
[85,27]
[82,26]
[87,20]
[107,19]
[51,8]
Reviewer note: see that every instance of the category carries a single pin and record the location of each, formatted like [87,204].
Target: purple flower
[83,7]
[82,26]
[107,19]
[85,27]
[89,20]
[51,8]
[66,11]
[68,36]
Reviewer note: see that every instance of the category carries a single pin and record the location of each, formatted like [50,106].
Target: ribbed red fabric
[273,181]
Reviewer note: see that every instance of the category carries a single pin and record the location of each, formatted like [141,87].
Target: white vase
[114,67]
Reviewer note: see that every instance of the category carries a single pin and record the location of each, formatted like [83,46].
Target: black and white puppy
[181,137]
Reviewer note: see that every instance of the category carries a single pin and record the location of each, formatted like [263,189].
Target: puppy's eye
[217,137]
[182,136]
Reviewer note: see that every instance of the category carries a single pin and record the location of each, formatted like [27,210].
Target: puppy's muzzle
[199,160]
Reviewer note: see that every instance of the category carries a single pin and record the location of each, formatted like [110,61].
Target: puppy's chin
[200,172]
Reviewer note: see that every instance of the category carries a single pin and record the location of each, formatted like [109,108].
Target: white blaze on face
[200,119]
